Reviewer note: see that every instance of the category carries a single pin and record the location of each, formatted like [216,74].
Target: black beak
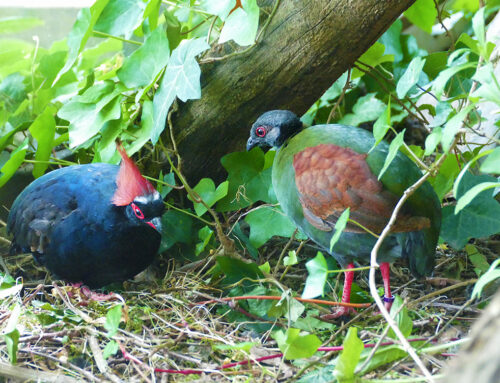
[251,144]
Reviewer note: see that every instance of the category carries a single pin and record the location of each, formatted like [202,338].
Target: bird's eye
[138,212]
[260,131]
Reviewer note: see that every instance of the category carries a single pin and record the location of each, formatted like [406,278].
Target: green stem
[102,34]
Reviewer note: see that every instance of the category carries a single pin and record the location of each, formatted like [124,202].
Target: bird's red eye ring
[260,131]
[138,212]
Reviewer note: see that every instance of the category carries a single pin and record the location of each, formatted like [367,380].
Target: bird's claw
[341,311]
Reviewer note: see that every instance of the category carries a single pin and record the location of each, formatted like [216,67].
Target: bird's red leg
[92,295]
[388,298]
[346,296]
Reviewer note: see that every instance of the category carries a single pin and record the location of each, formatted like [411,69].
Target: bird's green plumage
[418,247]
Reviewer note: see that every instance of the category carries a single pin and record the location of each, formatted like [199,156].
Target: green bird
[320,171]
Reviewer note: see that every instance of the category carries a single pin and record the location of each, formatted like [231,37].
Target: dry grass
[63,333]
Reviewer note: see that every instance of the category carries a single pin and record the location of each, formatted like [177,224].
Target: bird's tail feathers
[420,252]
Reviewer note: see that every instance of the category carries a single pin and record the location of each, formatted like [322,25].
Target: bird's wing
[331,178]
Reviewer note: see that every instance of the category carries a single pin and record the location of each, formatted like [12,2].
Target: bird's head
[273,128]
[143,204]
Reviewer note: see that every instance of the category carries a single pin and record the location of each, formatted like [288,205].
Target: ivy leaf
[317,273]
[367,108]
[492,163]
[375,55]
[472,193]
[480,218]
[88,113]
[249,176]
[267,222]
[410,77]
[207,192]
[220,8]
[339,228]
[394,146]
[489,89]
[452,127]
[349,357]
[12,164]
[120,17]
[444,76]
[290,259]
[382,125]
[12,343]
[142,66]
[43,130]
[242,24]
[402,319]
[295,345]
[492,274]
[433,140]
[113,318]
[110,349]
[80,33]
[422,13]
[181,79]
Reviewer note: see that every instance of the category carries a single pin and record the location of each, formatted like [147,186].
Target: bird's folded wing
[331,178]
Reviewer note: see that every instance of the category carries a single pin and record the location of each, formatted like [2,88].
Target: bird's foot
[86,294]
[387,304]
[338,312]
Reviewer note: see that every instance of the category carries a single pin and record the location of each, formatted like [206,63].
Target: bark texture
[306,47]
[479,360]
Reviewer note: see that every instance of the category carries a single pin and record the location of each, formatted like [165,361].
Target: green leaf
[236,270]
[181,79]
[110,349]
[391,40]
[242,346]
[478,27]
[349,357]
[367,108]
[142,66]
[249,176]
[290,259]
[113,318]
[220,8]
[89,112]
[317,270]
[373,56]
[382,125]
[12,343]
[443,182]
[15,160]
[480,218]
[205,234]
[295,345]
[489,89]
[80,33]
[433,140]
[339,228]
[177,227]
[267,222]
[13,55]
[452,127]
[242,24]
[143,134]
[120,17]
[422,13]
[43,130]
[492,274]
[165,189]
[394,146]
[444,76]
[383,356]
[207,192]
[472,193]
[410,77]
[479,261]
[492,163]
[402,319]
[18,24]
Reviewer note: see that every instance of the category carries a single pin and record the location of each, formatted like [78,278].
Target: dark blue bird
[95,224]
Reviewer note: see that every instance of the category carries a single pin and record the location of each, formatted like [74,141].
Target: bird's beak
[251,144]
[155,223]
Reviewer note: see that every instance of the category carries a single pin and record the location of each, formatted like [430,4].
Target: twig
[28,374]
[292,238]
[278,298]
[99,360]
[341,96]
[442,291]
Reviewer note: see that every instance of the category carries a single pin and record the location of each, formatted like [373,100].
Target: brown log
[306,47]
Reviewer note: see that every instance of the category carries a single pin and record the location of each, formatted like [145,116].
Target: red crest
[129,181]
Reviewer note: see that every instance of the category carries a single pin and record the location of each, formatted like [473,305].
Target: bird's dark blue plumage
[67,219]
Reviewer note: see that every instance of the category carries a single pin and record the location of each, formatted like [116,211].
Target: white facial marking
[141,199]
